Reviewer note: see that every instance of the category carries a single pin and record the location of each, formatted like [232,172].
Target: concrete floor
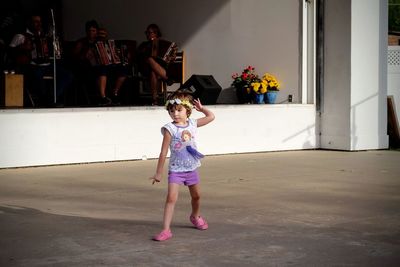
[297,208]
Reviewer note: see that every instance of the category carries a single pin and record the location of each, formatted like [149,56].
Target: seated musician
[31,54]
[87,55]
[149,63]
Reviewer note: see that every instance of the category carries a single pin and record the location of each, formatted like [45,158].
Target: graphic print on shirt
[184,156]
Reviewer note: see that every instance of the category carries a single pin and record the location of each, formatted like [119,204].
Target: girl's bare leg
[195,194]
[170,202]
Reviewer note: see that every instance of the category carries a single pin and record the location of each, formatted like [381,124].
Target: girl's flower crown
[178,101]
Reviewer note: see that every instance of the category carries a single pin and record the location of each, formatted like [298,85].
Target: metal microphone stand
[54,57]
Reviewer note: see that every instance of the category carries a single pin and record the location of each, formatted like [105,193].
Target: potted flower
[259,89]
[272,85]
[242,84]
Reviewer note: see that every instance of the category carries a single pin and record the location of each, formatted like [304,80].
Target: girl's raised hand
[197,104]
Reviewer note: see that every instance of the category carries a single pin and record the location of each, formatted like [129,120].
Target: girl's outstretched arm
[163,155]
[209,116]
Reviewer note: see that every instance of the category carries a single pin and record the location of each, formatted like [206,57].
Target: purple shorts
[184,178]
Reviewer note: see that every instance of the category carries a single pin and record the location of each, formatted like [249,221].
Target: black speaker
[204,87]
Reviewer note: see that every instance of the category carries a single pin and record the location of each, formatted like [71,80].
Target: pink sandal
[199,222]
[164,235]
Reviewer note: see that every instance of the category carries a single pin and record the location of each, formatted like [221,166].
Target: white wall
[219,37]
[368,81]
[354,112]
[60,136]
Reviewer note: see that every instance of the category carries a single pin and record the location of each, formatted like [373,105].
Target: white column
[304,76]
[354,113]
[368,74]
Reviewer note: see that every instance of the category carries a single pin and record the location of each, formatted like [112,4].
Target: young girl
[180,137]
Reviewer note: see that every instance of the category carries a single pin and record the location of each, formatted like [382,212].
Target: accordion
[107,53]
[41,49]
[163,51]
[40,52]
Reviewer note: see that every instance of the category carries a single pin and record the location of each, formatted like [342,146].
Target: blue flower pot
[259,98]
[271,96]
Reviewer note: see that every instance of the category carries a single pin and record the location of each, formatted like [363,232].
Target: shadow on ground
[31,237]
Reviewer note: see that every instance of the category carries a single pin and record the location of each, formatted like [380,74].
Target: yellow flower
[263,88]
[256,86]
[271,81]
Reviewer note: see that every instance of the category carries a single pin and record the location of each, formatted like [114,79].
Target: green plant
[394,15]
[245,79]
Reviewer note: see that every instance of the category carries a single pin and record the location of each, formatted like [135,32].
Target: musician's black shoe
[116,100]
[105,101]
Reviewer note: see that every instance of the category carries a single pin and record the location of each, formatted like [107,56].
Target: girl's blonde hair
[180,98]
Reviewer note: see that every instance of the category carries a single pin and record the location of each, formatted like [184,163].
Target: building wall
[218,37]
[353,116]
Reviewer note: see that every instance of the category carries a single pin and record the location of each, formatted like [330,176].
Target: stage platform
[35,137]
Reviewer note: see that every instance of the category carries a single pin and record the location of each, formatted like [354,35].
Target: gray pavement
[297,208]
